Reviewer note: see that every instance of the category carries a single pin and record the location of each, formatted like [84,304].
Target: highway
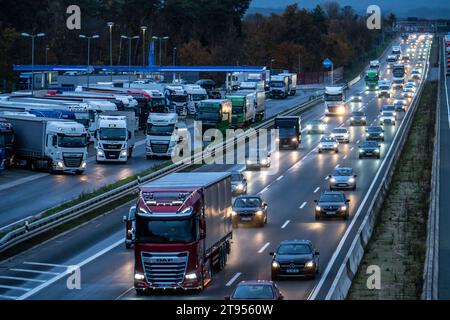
[43,190]
[107,267]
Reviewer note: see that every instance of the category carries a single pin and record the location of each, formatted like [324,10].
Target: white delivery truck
[162,134]
[292,82]
[114,136]
[279,86]
[334,101]
[195,94]
[49,144]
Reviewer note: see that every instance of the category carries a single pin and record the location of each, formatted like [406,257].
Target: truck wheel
[33,166]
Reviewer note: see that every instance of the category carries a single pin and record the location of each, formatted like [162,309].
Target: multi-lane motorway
[107,267]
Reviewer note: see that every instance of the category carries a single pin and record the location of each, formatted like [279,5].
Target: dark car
[238,183]
[256,290]
[375,133]
[295,258]
[249,209]
[316,126]
[332,204]
[369,149]
[400,105]
[342,178]
[130,227]
[358,118]
[206,84]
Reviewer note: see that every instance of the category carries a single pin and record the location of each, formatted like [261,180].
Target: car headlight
[60,164]
[275,265]
[139,277]
[240,186]
[364,118]
[259,213]
[308,127]
[335,145]
[361,151]
[248,161]
[377,150]
[320,145]
[332,180]
[264,161]
[191,276]
[322,127]
[332,135]
[351,180]
[318,208]
[294,140]
[100,153]
[277,139]
[367,134]
[343,208]
[352,118]
[382,134]
[309,264]
[124,153]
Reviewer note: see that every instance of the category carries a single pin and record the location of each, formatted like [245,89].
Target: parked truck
[6,144]
[183,231]
[114,136]
[214,113]
[162,134]
[176,99]
[49,144]
[292,82]
[334,101]
[243,111]
[195,95]
[289,131]
[279,86]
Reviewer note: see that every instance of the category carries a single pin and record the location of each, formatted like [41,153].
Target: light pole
[160,46]
[33,37]
[271,64]
[174,54]
[110,25]
[47,48]
[143,28]
[129,55]
[96,36]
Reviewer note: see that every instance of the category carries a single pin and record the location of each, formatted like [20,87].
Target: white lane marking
[337,166]
[279,178]
[22,279]
[14,288]
[303,205]
[61,275]
[237,275]
[35,271]
[352,148]
[8,297]
[124,294]
[357,141]
[345,157]
[446,95]
[327,177]
[46,264]
[264,247]
[285,224]
[317,189]
[263,190]
[23,180]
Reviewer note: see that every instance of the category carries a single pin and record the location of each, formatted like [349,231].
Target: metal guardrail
[30,227]
[349,266]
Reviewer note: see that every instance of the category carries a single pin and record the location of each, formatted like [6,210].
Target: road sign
[327,63]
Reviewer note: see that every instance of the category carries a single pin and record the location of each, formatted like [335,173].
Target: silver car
[342,178]
[238,183]
[328,144]
[341,134]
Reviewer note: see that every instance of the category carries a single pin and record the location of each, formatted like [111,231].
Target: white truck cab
[195,94]
[176,99]
[162,134]
[334,101]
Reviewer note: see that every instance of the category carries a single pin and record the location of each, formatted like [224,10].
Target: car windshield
[236,177]
[255,291]
[369,144]
[119,134]
[343,172]
[165,231]
[388,114]
[247,202]
[339,130]
[291,249]
[327,139]
[332,198]
[316,122]
[375,129]
[358,114]
[72,142]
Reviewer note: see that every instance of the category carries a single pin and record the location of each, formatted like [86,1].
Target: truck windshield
[277,84]
[157,102]
[333,97]
[72,141]
[199,97]
[286,132]
[118,134]
[165,231]
[164,130]
[238,110]
[178,98]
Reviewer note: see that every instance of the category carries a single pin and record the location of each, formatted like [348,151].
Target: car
[249,209]
[374,133]
[388,108]
[256,290]
[328,144]
[416,74]
[130,227]
[295,258]
[316,126]
[341,135]
[258,158]
[400,104]
[238,183]
[357,97]
[342,178]
[387,117]
[411,82]
[358,118]
[332,204]
[408,92]
[369,149]
[411,87]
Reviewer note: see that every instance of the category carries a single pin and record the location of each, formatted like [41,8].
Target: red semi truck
[183,230]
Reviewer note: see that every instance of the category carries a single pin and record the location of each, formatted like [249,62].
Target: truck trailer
[6,143]
[214,113]
[183,231]
[243,112]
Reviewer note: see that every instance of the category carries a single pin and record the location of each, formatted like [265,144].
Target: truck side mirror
[54,140]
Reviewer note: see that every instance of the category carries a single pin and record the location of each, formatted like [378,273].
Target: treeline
[204,32]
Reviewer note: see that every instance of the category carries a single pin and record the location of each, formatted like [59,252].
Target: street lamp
[33,37]
[143,28]
[88,38]
[160,45]
[174,55]
[110,25]
[129,55]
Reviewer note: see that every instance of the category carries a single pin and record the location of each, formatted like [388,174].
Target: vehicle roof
[369,142]
[375,128]
[332,193]
[187,180]
[344,169]
[248,196]
[340,128]
[253,282]
[358,112]
[295,241]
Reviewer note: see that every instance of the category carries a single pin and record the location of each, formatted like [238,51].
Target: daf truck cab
[214,113]
[243,111]
[371,79]
[162,134]
[334,101]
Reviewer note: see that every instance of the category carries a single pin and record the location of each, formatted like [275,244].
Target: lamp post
[131,38]
[174,55]
[160,45]
[110,25]
[33,37]
[271,64]
[47,48]
[89,38]
[143,28]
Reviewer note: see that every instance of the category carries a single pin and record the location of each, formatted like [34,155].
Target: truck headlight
[309,264]
[83,165]
[233,213]
[294,140]
[100,153]
[60,164]
[382,134]
[240,186]
[364,118]
[191,276]
[264,161]
[320,145]
[275,265]
[124,153]
[361,151]
[139,277]
[367,134]
[309,127]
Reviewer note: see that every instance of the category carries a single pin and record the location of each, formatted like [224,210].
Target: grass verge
[398,243]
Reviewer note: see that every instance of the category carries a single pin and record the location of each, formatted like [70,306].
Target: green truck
[214,113]
[244,111]
[371,79]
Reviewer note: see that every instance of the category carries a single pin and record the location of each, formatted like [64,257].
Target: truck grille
[72,162]
[159,147]
[179,109]
[164,269]
[112,146]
